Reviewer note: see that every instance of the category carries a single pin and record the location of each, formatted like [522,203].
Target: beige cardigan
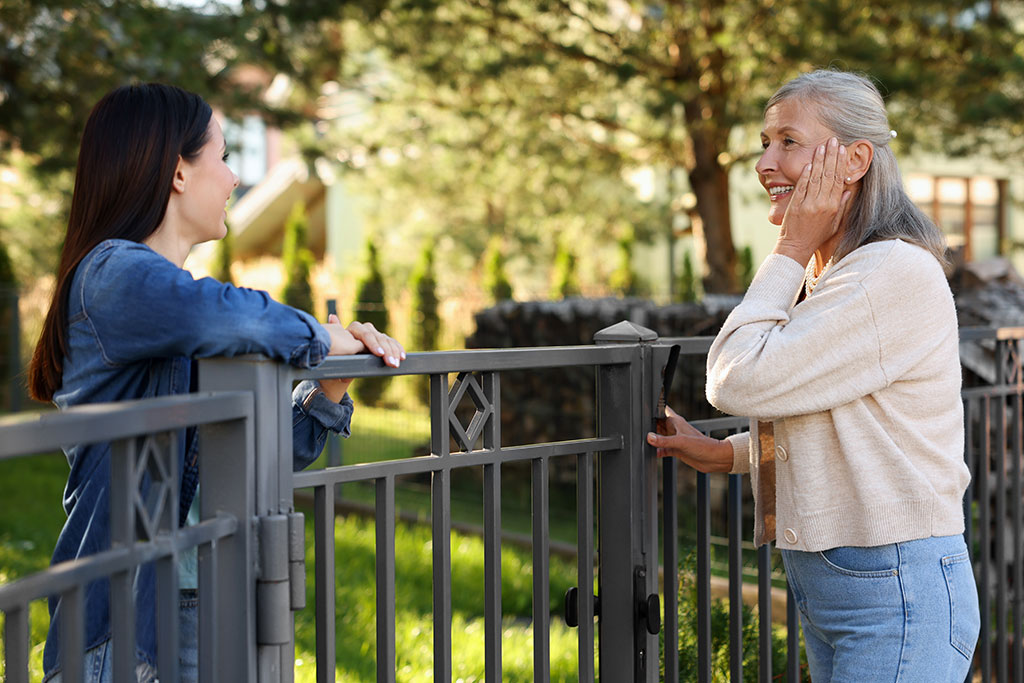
[861,381]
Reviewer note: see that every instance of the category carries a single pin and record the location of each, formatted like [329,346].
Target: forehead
[794,114]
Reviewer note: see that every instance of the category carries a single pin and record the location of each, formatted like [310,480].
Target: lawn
[31,517]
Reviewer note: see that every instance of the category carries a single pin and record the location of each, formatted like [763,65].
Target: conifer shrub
[496,282]
[370,307]
[297,260]
[426,323]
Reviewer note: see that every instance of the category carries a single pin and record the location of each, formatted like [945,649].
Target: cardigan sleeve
[773,359]
[740,452]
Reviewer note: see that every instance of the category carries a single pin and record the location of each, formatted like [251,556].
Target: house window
[971,211]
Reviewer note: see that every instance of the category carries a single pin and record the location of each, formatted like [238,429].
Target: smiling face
[208,188]
[792,131]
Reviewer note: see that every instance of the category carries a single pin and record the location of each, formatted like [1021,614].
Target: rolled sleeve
[311,401]
[740,452]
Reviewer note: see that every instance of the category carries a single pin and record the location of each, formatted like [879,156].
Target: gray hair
[852,108]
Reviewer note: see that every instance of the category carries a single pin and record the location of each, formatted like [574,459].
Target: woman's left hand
[815,213]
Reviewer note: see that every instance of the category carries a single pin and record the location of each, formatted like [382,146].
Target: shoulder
[891,263]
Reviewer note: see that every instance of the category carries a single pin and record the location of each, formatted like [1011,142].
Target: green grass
[31,518]
[356,609]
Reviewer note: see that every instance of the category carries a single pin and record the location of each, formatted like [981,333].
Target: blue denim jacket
[135,321]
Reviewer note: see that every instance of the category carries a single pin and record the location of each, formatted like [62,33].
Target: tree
[223,258]
[9,332]
[371,307]
[679,85]
[689,283]
[624,280]
[426,327]
[297,260]
[496,282]
[564,281]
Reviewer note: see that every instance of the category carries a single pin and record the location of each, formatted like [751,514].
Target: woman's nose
[766,163]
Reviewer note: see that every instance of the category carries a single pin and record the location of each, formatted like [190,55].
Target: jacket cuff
[312,401]
[740,452]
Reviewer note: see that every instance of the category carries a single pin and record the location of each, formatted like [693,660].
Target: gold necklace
[810,279]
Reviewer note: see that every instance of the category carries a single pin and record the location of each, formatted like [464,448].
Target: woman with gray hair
[844,354]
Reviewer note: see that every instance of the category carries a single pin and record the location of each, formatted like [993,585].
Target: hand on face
[818,205]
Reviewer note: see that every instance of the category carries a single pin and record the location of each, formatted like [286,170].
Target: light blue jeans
[903,612]
[99,666]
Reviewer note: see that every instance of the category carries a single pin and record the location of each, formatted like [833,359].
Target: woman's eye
[764,144]
[225,157]
[788,141]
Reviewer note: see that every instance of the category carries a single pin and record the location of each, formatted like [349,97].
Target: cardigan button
[790,535]
[781,453]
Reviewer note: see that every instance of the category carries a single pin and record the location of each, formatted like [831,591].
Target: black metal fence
[250,543]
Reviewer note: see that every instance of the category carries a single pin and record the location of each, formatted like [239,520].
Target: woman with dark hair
[126,320]
[844,354]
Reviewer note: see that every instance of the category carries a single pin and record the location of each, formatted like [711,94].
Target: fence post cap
[625,331]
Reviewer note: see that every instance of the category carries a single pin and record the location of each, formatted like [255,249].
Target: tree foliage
[9,330]
[371,307]
[224,257]
[426,327]
[496,282]
[580,93]
[297,260]
[564,278]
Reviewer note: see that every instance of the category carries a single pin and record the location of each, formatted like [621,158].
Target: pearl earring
[847,178]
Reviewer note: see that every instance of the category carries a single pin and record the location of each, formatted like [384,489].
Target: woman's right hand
[820,199]
[689,445]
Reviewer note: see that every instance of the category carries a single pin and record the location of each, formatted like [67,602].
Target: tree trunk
[710,184]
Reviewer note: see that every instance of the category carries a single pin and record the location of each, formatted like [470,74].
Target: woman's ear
[180,174]
[859,154]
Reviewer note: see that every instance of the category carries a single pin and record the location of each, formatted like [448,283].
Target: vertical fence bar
[72,636]
[735,528]
[764,608]
[1016,452]
[441,522]
[541,579]
[209,634]
[1002,592]
[703,578]
[385,523]
[615,531]
[585,565]
[122,534]
[670,541]
[792,638]
[492,573]
[492,534]
[16,644]
[984,537]
[323,533]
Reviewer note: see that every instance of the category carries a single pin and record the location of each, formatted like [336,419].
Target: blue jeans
[99,667]
[903,612]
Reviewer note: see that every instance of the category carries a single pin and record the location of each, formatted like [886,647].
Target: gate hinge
[280,587]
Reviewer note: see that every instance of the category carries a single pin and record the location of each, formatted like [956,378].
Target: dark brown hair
[130,149]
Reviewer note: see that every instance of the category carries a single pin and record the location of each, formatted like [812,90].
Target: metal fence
[250,540]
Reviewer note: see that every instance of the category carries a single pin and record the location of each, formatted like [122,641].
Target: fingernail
[403,355]
[392,361]
[380,350]
[821,149]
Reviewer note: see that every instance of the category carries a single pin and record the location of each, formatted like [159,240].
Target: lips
[778,191]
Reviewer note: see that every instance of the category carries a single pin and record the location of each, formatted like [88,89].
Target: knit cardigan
[861,382]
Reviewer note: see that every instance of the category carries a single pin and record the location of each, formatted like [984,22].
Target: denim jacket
[135,321]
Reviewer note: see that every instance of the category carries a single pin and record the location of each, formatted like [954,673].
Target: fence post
[268,495]
[627,512]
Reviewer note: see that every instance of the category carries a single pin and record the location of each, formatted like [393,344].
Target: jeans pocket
[964,618]
[869,563]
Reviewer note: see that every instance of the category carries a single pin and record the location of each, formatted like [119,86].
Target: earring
[847,178]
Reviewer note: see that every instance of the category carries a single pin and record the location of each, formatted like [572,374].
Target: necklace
[810,279]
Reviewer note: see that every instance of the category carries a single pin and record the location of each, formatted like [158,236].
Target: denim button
[790,535]
[781,453]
